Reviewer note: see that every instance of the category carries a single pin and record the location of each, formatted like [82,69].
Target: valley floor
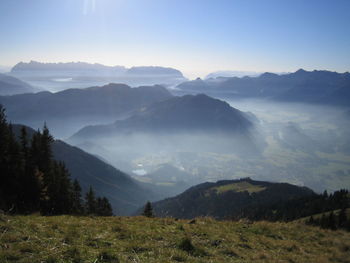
[139,239]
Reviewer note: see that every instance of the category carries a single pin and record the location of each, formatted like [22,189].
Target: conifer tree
[31,180]
[14,171]
[148,210]
[342,218]
[331,221]
[104,208]
[90,202]
[311,220]
[324,221]
[77,207]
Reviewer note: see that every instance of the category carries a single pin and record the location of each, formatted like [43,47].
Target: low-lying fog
[296,143]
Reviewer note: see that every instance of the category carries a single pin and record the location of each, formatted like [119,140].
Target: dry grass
[139,239]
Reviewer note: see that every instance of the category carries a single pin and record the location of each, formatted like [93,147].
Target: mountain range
[188,123]
[318,86]
[199,113]
[59,76]
[83,68]
[67,111]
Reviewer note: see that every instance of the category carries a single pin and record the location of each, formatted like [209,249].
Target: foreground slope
[37,239]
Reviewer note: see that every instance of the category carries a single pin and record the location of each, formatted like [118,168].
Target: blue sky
[195,36]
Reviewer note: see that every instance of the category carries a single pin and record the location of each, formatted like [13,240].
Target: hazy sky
[195,36]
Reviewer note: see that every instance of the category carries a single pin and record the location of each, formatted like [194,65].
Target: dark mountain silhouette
[10,85]
[179,114]
[339,97]
[301,86]
[226,199]
[124,193]
[80,107]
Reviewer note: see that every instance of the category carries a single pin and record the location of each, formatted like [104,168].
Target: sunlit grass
[239,187]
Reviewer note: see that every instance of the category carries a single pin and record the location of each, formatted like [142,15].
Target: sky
[194,36]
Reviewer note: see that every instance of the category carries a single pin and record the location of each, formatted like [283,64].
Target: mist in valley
[302,144]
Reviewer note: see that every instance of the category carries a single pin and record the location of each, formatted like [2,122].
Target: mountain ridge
[172,113]
[225,199]
[10,85]
[80,107]
[301,86]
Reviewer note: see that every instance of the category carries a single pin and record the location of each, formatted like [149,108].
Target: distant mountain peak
[186,114]
[300,71]
[154,70]
[268,75]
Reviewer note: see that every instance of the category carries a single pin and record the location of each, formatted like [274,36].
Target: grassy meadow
[139,239]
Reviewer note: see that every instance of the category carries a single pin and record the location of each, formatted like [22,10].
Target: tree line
[332,220]
[32,181]
[308,206]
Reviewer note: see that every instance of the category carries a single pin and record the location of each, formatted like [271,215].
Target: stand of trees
[308,206]
[32,181]
[331,220]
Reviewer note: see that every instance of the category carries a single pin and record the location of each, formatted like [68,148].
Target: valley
[174,131]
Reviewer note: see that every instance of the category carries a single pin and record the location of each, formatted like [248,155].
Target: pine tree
[4,177]
[148,210]
[311,221]
[104,208]
[342,218]
[331,221]
[13,173]
[77,207]
[30,190]
[90,202]
[324,221]
[31,180]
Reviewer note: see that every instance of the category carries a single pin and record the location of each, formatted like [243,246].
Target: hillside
[227,199]
[68,110]
[10,85]
[178,114]
[124,193]
[37,239]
